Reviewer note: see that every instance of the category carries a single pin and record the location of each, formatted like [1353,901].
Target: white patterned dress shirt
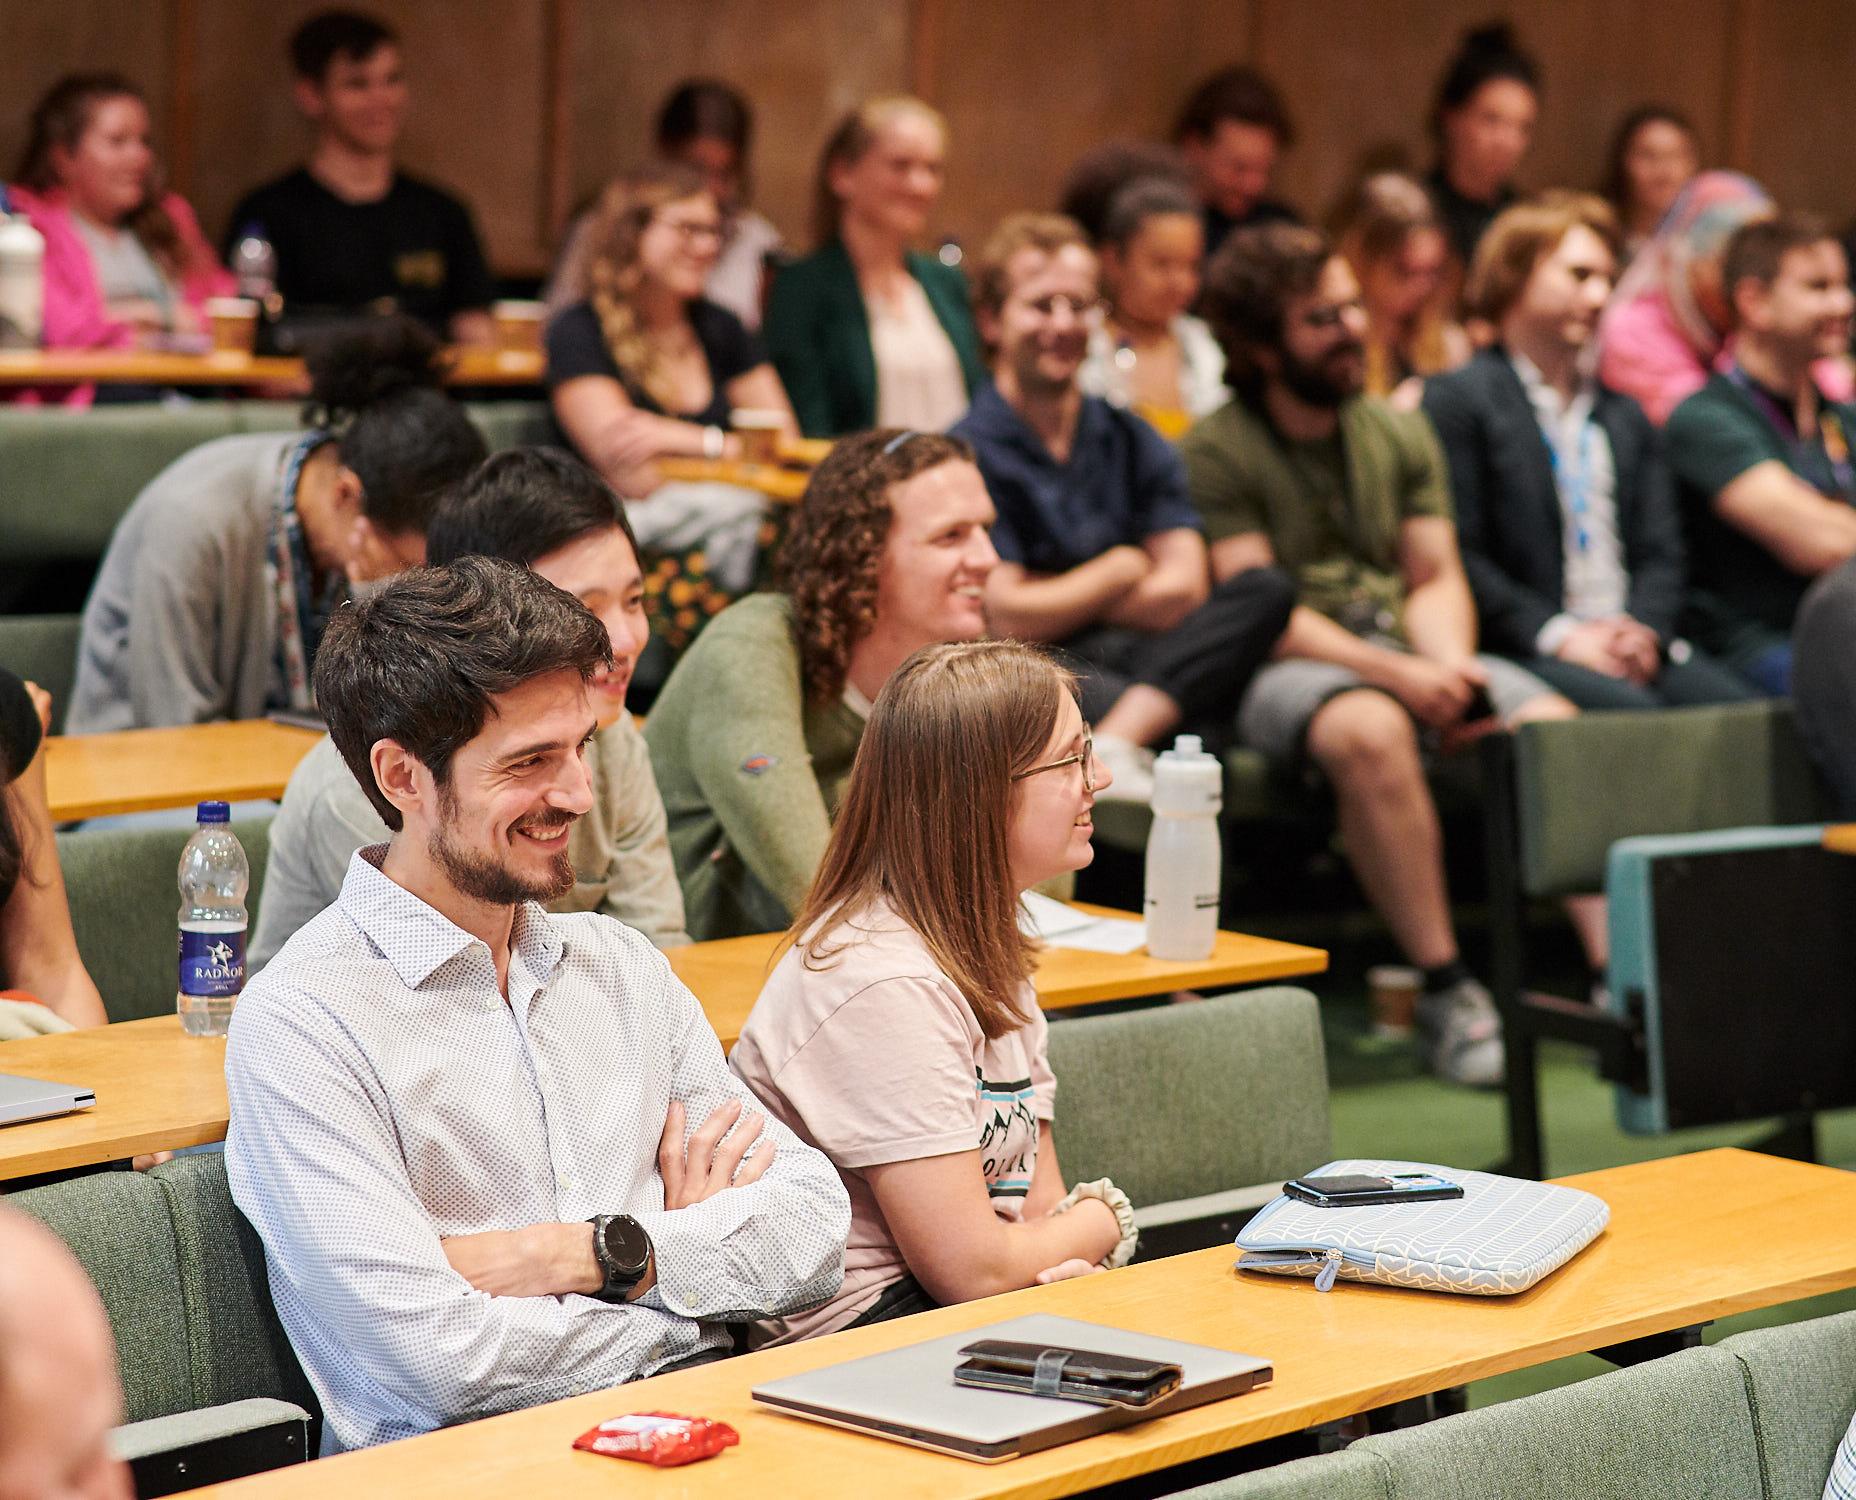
[384,1095]
[1842,1482]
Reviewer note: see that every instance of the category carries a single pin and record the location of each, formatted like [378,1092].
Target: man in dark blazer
[1567,516]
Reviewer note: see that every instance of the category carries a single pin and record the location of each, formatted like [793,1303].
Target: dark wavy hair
[377,390]
[60,119]
[1616,183]
[834,551]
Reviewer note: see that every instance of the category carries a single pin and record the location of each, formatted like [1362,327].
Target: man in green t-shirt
[1379,659]
[1762,456]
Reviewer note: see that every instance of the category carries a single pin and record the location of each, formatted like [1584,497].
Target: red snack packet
[659,1438]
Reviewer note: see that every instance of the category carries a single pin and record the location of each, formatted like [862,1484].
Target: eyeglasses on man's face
[1086,757]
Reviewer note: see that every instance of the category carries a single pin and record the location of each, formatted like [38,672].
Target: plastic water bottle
[1185,861]
[213,880]
[22,280]
[254,267]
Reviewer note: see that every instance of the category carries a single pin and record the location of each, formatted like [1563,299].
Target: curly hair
[833,554]
[625,211]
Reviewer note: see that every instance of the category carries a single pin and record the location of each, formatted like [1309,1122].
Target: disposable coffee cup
[518,326]
[234,324]
[1392,992]
[759,431]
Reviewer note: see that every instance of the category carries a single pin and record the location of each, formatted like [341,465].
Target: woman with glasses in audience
[868,331]
[648,367]
[1654,155]
[753,736]
[125,263]
[708,127]
[1147,351]
[1387,229]
[900,1033]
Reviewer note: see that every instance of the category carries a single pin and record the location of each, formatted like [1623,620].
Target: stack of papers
[1065,927]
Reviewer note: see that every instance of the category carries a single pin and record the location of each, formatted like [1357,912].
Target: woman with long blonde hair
[868,330]
[900,1033]
[1388,230]
[647,367]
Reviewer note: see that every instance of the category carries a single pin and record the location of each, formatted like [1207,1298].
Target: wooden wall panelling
[802,63]
[1796,64]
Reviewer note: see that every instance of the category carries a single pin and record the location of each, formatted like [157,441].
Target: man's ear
[986,320]
[401,777]
[308,97]
[1746,302]
[347,494]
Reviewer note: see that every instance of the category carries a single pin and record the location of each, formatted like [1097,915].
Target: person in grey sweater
[542,509]
[219,580]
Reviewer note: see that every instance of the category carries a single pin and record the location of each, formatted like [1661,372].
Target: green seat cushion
[238,1348]
[1677,1426]
[1178,1101]
[117,1225]
[124,894]
[43,649]
[1346,1475]
[1802,1382]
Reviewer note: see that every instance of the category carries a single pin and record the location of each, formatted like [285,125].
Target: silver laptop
[909,1394]
[35,1099]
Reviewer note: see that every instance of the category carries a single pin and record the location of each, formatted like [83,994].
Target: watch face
[628,1247]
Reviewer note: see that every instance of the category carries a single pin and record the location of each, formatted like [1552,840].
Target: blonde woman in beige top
[899,1034]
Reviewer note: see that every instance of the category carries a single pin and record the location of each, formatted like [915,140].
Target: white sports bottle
[214,877]
[1185,860]
[22,284]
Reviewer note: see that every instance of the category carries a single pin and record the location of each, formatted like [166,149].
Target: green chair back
[123,894]
[1802,1381]
[1345,1475]
[1582,784]
[43,649]
[1182,1101]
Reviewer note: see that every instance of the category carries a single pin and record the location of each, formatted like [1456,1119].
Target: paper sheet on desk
[1065,927]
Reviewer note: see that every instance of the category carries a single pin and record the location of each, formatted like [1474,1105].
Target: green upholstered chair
[1559,794]
[1801,1379]
[43,649]
[211,1388]
[1677,1426]
[1198,1111]
[123,893]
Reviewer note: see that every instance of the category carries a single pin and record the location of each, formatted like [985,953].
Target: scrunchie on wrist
[1104,1191]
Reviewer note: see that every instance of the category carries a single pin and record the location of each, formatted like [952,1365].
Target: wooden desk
[1840,838]
[156,1087]
[773,481]
[1677,1252]
[136,770]
[727,975]
[129,367]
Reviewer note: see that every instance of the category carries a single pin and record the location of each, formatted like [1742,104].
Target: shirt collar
[1000,421]
[1545,399]
[418,939]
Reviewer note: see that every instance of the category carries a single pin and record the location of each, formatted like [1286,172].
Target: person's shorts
[1286,695]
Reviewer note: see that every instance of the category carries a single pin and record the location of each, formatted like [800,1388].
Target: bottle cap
[214,812]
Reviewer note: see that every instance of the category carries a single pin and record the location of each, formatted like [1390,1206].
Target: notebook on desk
[909,1394]
[35,1099]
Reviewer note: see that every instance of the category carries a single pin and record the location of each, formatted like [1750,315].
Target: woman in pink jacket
[125,263]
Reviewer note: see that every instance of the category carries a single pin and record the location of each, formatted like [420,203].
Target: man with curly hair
[753,736]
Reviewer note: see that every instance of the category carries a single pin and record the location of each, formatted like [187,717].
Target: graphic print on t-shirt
[1008,1135]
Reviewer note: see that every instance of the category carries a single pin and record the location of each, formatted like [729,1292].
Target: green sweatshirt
[751,774]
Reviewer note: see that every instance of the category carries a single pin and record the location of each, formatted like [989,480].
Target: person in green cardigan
[866,331]
[753,736]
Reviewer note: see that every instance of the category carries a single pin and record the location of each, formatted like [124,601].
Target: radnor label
[212,963]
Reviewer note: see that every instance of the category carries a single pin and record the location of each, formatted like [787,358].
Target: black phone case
[1084,1375]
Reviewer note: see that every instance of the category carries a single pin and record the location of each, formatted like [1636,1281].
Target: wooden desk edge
[116,1148]
[1840,838]
[1292,964]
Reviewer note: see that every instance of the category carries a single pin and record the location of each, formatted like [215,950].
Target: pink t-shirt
[877,1058]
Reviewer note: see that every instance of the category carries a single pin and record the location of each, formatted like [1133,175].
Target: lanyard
[299,618]
[1575,485]
[1834,476]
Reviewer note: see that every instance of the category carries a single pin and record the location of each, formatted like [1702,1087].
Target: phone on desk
[1349,1190]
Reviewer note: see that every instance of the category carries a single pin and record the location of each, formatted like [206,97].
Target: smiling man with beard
[494,1153]
[1379,659]
[1099,546]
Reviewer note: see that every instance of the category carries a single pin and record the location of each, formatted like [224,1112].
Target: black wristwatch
[623,1251]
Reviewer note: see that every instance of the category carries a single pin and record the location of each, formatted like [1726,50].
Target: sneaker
[1460,1035]
[1131,766]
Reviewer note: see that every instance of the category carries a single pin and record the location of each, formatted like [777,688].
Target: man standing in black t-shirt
[350,231]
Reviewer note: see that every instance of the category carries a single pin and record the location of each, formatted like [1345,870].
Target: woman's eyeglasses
[1086,757]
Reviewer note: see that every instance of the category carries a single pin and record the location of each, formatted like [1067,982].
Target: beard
[484,879]
[1316,382]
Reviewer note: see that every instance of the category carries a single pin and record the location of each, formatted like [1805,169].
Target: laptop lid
[35,1099]
[909,1394]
